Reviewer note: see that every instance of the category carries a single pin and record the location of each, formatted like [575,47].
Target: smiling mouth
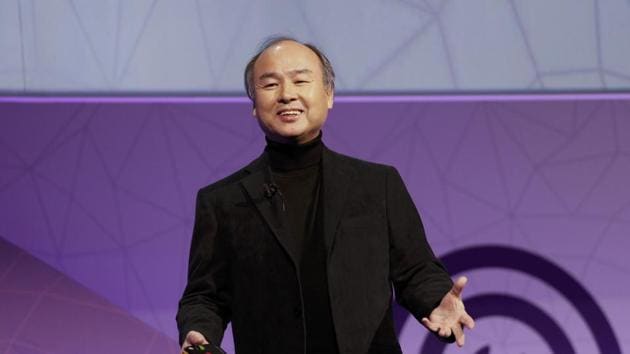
[289,112]
[289,115]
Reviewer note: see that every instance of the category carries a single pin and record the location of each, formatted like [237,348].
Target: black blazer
[242,268]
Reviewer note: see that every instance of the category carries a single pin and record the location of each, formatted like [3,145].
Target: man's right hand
[194,338]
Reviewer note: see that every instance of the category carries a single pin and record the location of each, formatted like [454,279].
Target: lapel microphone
[270,190]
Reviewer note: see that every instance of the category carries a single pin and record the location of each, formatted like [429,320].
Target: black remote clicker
[203,349]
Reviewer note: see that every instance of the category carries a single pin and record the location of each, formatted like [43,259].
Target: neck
[298,140]
[293,156]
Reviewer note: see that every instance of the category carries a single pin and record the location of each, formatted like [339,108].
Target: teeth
[289,113]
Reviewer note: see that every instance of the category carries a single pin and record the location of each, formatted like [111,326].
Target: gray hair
[327,69]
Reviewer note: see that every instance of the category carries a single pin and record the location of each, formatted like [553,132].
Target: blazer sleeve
[419,278]
[205,303]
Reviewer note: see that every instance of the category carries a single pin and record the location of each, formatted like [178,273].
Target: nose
[287,93]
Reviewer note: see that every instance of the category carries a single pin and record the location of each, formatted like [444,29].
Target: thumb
[196,338]
[458,286]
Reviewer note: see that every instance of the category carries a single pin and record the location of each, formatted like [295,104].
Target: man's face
[290,101]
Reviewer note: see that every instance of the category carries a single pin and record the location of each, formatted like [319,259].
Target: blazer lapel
[269,208]
[337,179]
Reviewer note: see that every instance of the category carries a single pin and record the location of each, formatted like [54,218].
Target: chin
[290,134]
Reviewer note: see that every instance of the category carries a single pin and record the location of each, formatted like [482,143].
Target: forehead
[287,56]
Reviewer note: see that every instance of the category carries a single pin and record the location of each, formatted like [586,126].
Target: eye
[301,82]
[270,85]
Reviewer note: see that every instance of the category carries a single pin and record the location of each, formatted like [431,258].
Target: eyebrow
[300,71]
[273,75]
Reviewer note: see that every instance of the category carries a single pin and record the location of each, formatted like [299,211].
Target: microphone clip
[270,190]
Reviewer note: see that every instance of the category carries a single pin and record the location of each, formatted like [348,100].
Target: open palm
[450,316]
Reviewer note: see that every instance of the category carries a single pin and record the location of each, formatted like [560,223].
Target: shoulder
[232,180]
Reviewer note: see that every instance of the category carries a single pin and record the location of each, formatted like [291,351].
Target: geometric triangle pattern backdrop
[43,311]
[166,46]
[103,192]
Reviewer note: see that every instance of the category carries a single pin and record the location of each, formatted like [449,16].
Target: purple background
[102,192]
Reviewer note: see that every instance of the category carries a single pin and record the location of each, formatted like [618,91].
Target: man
[300,249]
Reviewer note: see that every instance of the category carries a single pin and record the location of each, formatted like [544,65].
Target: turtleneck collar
[287,157]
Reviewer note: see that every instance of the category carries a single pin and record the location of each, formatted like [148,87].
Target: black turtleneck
[296,169]
[292,157]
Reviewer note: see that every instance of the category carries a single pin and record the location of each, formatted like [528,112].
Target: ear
[331,98]
[254,110]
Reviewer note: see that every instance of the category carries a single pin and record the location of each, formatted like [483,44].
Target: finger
[196,338]
[433,327]
[458,331]
[468,321]
[185,345]
[445,332]
[458,287]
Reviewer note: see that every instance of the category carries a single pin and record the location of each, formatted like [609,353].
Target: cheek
[264,101]
[321,104]
[263,111]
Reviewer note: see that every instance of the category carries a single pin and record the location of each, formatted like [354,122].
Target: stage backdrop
[527,196]
[174,46]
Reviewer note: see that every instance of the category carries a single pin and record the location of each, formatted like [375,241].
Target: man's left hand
[450,316]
